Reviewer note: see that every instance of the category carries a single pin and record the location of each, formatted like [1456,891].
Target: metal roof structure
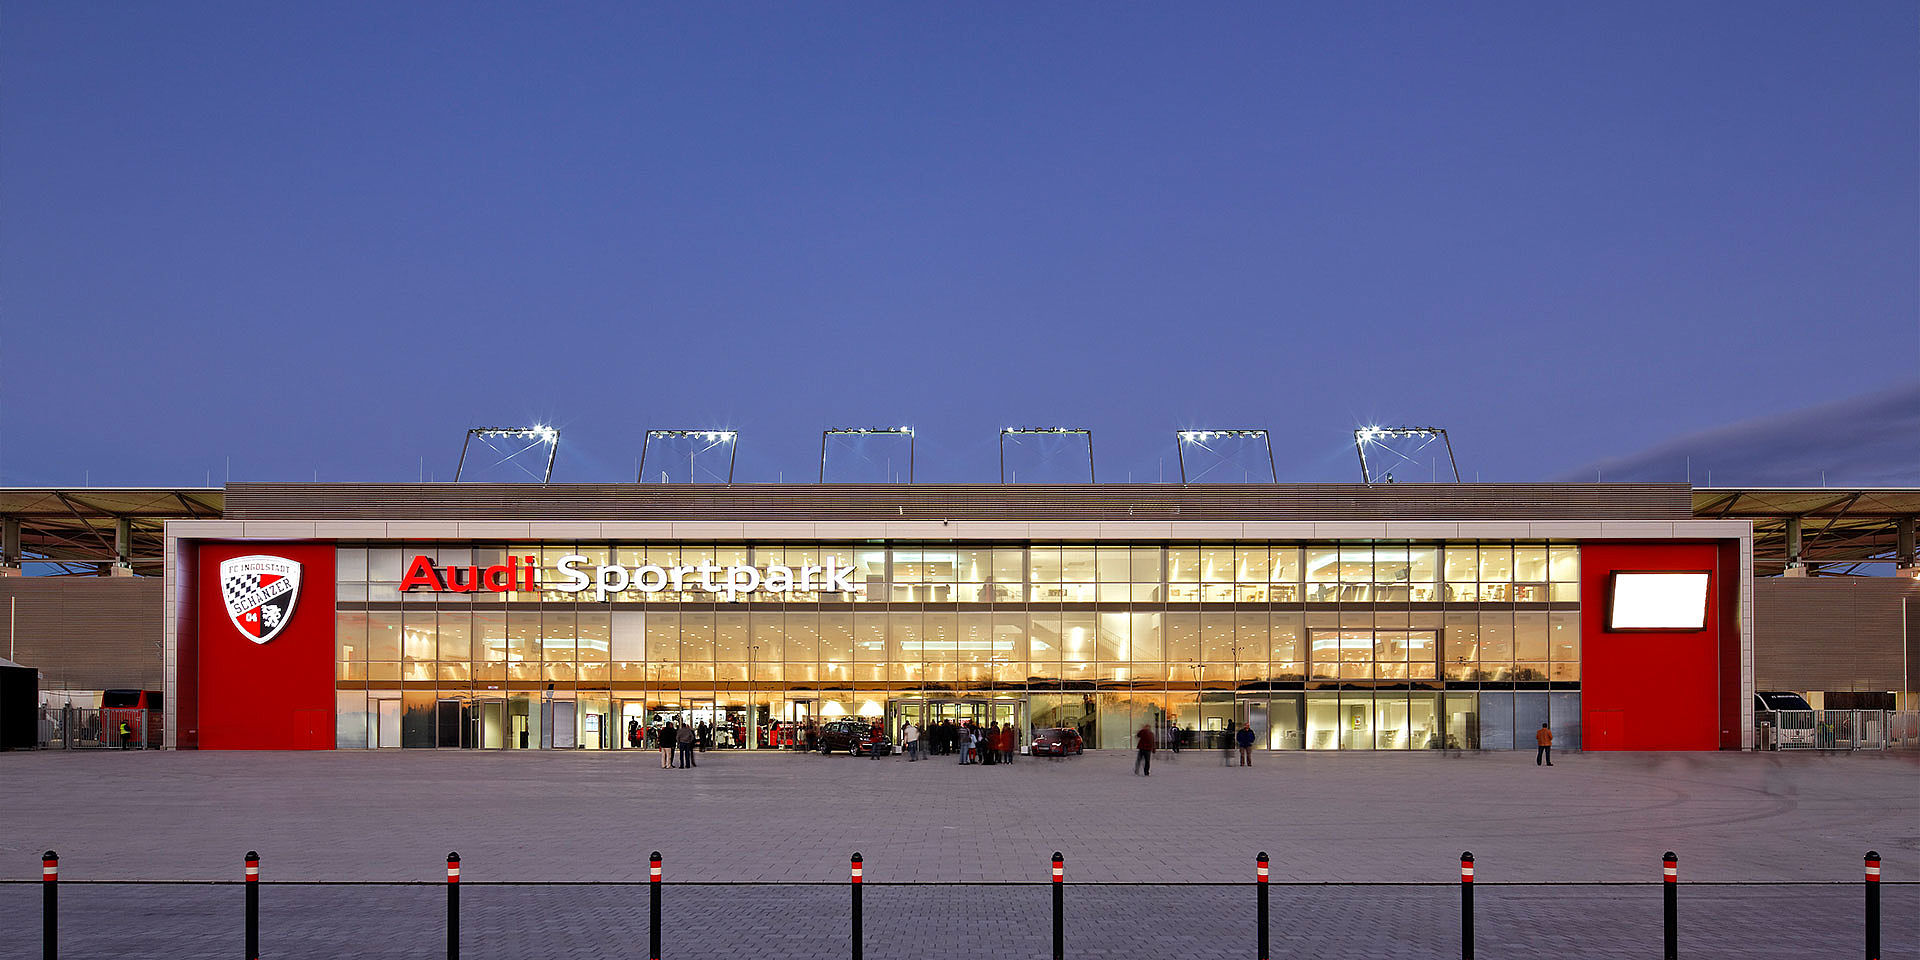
[77,529]
[1839,528]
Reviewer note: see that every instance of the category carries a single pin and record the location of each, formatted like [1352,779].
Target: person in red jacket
[1143,743]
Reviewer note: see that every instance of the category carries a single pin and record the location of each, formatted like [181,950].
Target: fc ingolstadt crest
[260,592]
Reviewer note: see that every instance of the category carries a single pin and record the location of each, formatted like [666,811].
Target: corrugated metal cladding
[934,501]
[1835,633]
[88,633]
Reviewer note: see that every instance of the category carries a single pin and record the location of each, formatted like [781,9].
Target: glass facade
[1367,645]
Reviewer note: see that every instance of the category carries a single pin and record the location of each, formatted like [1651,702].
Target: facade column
[123,547]
[1796,567]
[10,553]
[1903,558]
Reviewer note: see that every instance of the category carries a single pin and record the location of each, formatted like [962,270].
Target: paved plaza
[788,819]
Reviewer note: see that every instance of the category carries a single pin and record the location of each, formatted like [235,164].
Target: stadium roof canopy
[75,529]
[1840,527]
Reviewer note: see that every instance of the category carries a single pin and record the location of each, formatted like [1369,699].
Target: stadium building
[1325,616]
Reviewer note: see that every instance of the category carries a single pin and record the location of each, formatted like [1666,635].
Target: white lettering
[707,570]
[576,579]
[779,579]
[611,578]
[650,579]
[741,579]
[679,576]
[806,576]
[841,582]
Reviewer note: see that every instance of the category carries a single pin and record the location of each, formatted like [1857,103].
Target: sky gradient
[325,239]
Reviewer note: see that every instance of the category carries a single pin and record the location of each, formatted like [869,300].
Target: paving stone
[791,821]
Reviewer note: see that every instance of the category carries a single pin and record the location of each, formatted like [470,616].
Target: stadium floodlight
[856,432]
[512,443]
[694,438]
[1055,432]
[1208,439]
[1377,439]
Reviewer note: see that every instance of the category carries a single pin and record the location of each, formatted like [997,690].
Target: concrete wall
[1835,633]
[86,633]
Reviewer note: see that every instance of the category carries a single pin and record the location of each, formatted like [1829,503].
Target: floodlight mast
[866,432]
[713,437]
[1017,431]
[1200,438]
[1372,434]
[538,433]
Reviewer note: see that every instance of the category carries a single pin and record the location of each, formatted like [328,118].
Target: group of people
[677,740]
[974,743]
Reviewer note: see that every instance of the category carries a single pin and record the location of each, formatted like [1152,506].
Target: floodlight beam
[867,431]
[1082,431]
[1199,438]
[714,438]
[1370,434]
[539,433]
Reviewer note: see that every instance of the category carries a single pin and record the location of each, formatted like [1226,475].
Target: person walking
[664,739]
[1227,740]
[812,736]
[685,737]
[1143,745]
[126,736]
[910,735]
[877,733]
[633,734]
[1173,737]
[1543,737]
[1245,739]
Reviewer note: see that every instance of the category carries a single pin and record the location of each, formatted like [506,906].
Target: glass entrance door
[453,723]
[491,723]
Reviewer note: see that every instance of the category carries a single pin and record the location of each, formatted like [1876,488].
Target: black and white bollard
[50,905]
[1466,906]
[1670,872]
[253,905]
[453,906]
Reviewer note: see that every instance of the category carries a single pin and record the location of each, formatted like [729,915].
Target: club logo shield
[260,592]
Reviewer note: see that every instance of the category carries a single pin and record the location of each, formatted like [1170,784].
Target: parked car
[1058,742]
[853,736]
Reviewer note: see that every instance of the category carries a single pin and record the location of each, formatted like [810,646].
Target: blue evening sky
[329,237]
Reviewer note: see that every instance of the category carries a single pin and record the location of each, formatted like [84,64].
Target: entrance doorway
[982,712]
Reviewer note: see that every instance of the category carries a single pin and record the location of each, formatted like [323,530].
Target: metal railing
[1093,902]
[1837,730]
[68,727]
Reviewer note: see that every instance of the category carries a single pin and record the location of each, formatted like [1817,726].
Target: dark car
[1058,742]
[853,736]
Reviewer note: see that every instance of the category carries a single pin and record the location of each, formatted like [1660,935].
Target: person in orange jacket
[1543,737]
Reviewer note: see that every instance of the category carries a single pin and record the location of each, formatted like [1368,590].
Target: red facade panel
[265,694]
[1653,690]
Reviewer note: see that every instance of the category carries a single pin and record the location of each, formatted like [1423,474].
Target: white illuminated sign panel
[1657,600]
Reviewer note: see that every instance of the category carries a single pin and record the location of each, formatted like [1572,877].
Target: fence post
[453,906]
[1466,906]
[253,905]
[1873,904]
[1670,869]
[653,907]
[854,883]
[1260,882]
[50,905]
[1059,907]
